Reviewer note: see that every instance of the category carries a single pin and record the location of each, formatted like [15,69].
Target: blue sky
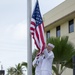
[13,29]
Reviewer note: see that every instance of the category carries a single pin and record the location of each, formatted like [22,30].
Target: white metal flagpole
[29,43]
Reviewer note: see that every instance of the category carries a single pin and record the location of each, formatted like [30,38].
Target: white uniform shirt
[47,61]
[37,63]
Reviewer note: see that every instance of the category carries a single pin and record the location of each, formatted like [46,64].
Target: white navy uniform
[37,64]
[46,68]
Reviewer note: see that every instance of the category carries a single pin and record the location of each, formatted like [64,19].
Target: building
[60,21]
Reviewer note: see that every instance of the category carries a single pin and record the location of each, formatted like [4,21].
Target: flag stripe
[40,42]
[36,41]
[33,24]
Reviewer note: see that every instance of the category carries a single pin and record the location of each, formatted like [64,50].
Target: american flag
[37,28]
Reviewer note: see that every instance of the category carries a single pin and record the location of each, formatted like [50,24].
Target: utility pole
[29,43]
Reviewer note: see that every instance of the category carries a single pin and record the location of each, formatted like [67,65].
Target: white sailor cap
[51,45]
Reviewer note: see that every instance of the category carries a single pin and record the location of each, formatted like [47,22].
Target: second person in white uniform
[37,64]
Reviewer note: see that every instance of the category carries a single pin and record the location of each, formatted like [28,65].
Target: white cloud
[12,11]
[13,44]
[14,32]
[20,31]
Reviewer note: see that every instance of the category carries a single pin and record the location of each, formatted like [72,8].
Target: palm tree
[10,71]
[24,64]
[18,69]
[63,51]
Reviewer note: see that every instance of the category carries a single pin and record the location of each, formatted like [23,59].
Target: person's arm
[40,58]
[45,53]
[35,62]
[51,55]
[48,55]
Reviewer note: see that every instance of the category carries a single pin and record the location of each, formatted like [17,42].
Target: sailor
[37,64]
[46,67]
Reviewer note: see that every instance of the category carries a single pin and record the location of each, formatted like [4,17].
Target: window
[71,26]
[58,31]
[48,34]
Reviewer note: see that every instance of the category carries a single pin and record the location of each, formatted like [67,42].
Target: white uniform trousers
[37,72]
[44,72]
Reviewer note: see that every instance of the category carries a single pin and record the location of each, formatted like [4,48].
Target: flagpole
[29,43]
